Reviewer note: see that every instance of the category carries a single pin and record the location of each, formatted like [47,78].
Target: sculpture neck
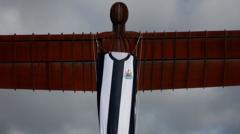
[119,29]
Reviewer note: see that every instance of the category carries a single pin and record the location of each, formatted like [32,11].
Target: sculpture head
[119,13]
[119,16]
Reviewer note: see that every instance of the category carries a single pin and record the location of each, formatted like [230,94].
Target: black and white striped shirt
[116,93]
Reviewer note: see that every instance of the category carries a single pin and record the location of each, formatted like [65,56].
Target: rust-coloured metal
[119,16]
[47,62]
[169,60]
[200,60]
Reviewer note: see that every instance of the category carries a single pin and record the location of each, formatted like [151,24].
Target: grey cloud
[185,15]
[42,112]
[193,111]
[50,16]
[81,16]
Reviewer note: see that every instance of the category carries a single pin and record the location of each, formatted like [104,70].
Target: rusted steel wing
[48,62]
[172,60]
[166,60]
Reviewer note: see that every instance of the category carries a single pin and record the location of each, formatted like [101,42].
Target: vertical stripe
[105,93]
[100,66]
[133,105]
[133,114]
[115,96]
[126,98]
[116,93]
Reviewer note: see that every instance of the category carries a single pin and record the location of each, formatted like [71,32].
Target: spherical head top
[119,13]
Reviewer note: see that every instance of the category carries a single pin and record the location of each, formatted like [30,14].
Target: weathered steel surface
[48,62]
[167,60]
[189,60]
[37,48]
[119,16]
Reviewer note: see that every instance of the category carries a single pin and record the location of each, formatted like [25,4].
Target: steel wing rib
[48,62]
[173,60]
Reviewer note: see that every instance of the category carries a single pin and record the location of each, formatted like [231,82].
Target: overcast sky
[197,111]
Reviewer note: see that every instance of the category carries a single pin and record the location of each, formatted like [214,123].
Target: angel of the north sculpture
[117,64]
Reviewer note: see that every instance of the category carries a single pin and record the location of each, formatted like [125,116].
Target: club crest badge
[128,74]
